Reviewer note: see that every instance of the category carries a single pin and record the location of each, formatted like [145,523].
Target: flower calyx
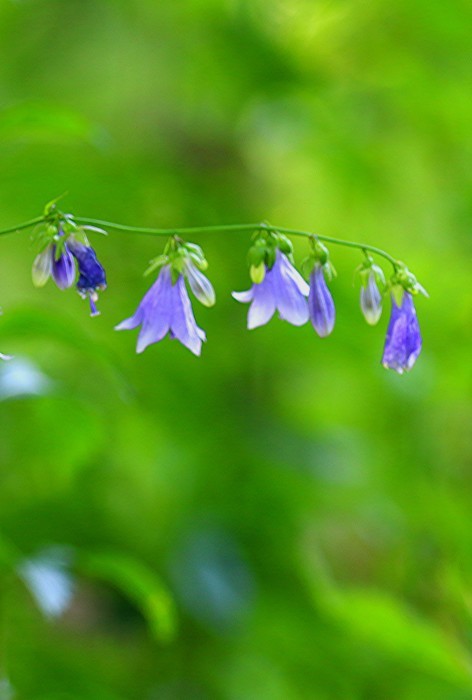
[263,252]
[373,286]
[186,260]
[404,280]
[318,258]
[63,250]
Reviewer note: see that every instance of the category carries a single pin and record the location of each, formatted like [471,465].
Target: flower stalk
[64,253]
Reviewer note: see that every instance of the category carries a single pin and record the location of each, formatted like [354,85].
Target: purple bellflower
[166,308]
[92,278]
[282,289]
[63,269]
[320,303]
[403,341]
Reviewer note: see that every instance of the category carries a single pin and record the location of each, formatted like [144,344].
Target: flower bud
[371,299]
[320,303]
[63,268]
[199,284]
[257,273]
[42,267]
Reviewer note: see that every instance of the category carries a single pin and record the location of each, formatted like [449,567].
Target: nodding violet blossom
[92,278]
[283,289]
[62,269]
[166,308]
[320,302]
[403,341]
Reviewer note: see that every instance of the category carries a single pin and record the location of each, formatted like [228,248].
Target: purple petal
[320,303]
[183,324]
[153,313]
[156,311]
[91,272]
[291,271]
[63,269]
[403,342]
[264,303]
[289,289]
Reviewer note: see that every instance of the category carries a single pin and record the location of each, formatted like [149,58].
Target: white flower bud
[42,267]
[199,284]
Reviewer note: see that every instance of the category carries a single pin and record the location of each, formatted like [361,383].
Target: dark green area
[282,518]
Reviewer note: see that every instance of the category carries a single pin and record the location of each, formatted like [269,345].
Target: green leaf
[391,627]
[140,584]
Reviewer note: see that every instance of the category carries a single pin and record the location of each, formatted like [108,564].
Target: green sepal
[329,270]
[60,245]
[307,265]
[175,274]
[368,267]
[156,263]
[50,207]
[271,257]
[80,236]
[284,244]
[256,255]
[407,280]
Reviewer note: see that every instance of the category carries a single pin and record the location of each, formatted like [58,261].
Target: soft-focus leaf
[138,583]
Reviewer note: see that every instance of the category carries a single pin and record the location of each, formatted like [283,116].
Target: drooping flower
[371,300]
[166,308]
[320,303]
[282,289]
[403,342]
[92,278]
[62,269]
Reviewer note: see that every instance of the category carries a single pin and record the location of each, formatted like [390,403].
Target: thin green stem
[238,227]
[169,231]
[346,244]
[27,224]
[211,229]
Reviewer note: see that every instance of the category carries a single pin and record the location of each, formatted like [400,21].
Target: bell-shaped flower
[166,308]
[199,284]
[63,269]
[320,303]
[92,278]
[403,342]
[371,299]
[282,289]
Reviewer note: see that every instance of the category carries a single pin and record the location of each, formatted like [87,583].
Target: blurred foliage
[281,518]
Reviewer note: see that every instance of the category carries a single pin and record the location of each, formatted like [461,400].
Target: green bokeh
[282,518]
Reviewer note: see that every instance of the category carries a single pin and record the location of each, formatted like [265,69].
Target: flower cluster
[66,255]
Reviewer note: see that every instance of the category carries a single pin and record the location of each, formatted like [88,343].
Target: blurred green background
[282,518]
